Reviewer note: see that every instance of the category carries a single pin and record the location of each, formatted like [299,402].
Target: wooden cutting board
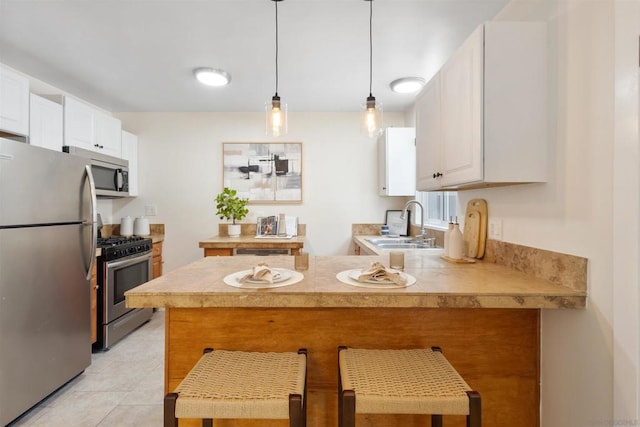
[471,234]
[475,228]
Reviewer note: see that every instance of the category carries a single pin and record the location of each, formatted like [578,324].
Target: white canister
[126,226]
[141,226]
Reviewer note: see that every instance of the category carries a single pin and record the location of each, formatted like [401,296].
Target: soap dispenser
[456,242]
[447,235]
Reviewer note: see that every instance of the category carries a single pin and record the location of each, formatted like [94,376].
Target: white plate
[285,278]
[355,274]
[279,275]
[350,277]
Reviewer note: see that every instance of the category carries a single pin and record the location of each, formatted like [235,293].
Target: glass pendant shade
[276,117]
[371,117]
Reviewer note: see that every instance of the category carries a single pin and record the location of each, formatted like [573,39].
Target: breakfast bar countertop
[439,284]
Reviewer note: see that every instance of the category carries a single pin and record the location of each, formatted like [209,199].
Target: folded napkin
[260,273]
[379,273]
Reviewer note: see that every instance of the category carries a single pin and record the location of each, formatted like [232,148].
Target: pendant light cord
[370,46]
[276,2]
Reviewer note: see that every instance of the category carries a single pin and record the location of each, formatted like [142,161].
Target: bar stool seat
[416,381]
[238,384]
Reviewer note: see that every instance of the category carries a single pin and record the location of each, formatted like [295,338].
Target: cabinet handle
[437,175]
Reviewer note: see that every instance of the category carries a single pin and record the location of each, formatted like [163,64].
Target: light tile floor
[124,386]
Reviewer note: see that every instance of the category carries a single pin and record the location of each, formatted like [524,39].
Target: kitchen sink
[399,243]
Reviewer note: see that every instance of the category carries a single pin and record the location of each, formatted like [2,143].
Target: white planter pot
[233,230]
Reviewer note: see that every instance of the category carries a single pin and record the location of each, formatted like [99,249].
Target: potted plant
[232,208]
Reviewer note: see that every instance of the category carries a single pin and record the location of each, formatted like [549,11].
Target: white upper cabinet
[428,135]
[14,103]
[45,123]
[397,162]
[91,129]
[482,120]
[130,153]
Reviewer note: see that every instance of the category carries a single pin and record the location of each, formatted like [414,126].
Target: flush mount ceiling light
[371,113]
[407,84]
[276,112]
[212,76]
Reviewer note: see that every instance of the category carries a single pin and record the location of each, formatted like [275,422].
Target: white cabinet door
[397,162]
[79,125]
[45,123]
[461,84]
[130,153]
[428,137]
[91,129]
[14,103]
[109,135]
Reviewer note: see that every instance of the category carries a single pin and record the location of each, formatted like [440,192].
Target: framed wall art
[264,172]
[397,225]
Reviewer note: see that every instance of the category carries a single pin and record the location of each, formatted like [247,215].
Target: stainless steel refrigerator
[47,247]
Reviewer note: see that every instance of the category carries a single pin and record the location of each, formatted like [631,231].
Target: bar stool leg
[348,416]
[170,419]
[296,414]
[475,409]
[207,422]
[436,421]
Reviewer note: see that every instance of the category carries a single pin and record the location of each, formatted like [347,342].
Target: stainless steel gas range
[125,263]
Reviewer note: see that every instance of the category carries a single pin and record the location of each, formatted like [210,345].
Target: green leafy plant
[230,206]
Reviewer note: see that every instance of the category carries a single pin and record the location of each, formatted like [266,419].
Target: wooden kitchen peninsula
[484,316]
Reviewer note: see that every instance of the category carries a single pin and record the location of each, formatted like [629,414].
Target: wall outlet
[151,210]
[495,229]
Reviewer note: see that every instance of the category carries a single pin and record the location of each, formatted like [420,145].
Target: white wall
[181,172]
[589,207]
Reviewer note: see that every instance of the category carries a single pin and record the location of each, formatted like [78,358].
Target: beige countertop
[439,284]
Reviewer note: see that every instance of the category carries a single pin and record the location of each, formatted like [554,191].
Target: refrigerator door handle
[93,222]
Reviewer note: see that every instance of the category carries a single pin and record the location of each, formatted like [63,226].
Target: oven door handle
[130,260]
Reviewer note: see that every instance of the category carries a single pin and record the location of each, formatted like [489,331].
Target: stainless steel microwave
[110,174]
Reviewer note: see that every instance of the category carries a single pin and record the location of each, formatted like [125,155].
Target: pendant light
[276,111]
[372,112]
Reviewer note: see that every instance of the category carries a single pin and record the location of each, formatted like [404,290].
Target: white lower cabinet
[397,162]
[482,120]
[130,153]
[14,102]
[91,129]
[45,123]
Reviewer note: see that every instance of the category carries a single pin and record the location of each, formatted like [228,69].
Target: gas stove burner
[120,247]
[105,242]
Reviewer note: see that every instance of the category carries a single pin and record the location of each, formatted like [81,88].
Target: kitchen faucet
[422,234]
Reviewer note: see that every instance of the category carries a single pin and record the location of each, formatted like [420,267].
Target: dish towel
[379,273]
[260,273]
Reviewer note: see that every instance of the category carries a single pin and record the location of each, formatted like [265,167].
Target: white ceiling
[138,55]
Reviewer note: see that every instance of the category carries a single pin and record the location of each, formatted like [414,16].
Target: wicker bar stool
[420,381]
[238,384]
